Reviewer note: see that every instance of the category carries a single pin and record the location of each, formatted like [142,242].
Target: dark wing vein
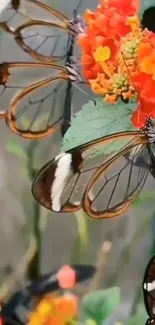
[75,187]
[117,186]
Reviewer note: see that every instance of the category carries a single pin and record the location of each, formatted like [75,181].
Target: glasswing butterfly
[39,29]
[149,291]
[103,185]
[42,103]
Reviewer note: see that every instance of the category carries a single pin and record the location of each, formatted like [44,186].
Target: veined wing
[63,184]
[39,29]
[33,96]
[116,183]
[16,12]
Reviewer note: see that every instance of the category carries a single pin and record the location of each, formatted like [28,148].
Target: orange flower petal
[67,306]
[147,91]
[89,74]
[89,15]
[96,69]
[139,118]
[83,41]
[144,50]
[146,65]
[111,99]
[54,321]
[134,22]
[97,89]
[87,61]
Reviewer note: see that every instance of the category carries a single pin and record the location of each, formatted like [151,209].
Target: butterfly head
[150,123]
[149,129]
[76,25]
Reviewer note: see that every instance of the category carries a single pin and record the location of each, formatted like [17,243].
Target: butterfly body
[74,76]
[15,4]
[76,24]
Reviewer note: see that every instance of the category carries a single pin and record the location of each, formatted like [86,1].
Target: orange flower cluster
[54,311]
[118,57]
[144,79]
[100,45]
[57,310]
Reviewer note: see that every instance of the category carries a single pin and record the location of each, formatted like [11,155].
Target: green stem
[81,242]
[34,266]
[30,159]
[152,250]
[34,221]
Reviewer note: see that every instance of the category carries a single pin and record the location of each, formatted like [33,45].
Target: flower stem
[81,242]
[34,222]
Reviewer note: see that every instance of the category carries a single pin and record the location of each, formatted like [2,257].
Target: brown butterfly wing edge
[10,112]
[48,171]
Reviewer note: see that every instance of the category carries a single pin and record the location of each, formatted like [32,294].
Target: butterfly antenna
[78,6]
[84,92]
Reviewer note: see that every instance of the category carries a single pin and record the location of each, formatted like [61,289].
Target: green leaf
[15,148]
[93,122]
[139,318]
[44,213]
[99,305]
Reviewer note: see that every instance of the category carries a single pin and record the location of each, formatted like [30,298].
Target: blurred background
[132,235]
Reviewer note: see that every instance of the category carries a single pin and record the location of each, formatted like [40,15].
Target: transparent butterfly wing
[40,30]
[34,104]
[116,184]
[88,159]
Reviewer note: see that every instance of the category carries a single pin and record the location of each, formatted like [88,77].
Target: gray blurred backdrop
[128,257]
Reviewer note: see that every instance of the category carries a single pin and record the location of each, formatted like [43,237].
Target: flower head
[118,56]
[55,311]
[110,30]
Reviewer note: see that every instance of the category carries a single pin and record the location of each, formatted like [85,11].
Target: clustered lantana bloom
[55,309]
[118,57]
